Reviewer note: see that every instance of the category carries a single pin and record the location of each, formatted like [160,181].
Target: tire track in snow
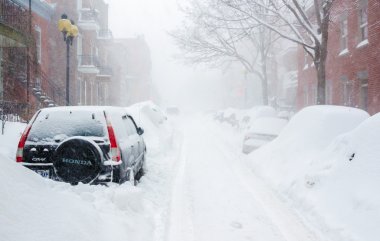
[286,220]
[180,224]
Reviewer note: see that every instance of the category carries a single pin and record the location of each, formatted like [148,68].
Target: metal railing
[10,109]
[14,15]
[46,90]
[88,15]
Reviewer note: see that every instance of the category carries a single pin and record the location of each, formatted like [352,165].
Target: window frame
[38,31]
[363,25]
[344,33]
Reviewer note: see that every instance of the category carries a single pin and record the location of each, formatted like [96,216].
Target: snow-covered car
[263,131]
[150,110]
[87,144]
[251,115]
[172,110]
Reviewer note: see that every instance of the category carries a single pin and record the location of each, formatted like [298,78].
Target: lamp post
[69,31]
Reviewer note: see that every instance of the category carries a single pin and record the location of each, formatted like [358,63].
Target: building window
[347,91]
[306,95]
[363,78]
[363,22]
[305,58]
[38,43]
[314,94]
[329,92]
[38,83]
[344,34]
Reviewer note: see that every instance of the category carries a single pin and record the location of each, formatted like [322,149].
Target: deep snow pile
[9,141]
[326,162]
[33,208]
[158,128]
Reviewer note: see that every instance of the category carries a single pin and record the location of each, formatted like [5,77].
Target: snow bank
[261,111]
[158,131]
[268,125]
[309,163]
[33,208]
[343,185]
[243,118]
[10,139]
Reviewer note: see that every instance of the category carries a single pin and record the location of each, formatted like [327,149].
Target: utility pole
[67,73]
[69,31]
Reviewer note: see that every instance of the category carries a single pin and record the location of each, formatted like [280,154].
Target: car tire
[77,160]
[142,169]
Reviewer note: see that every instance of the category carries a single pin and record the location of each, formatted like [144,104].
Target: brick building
[132,80]
[353,62]
[24,81]
[94,71]
[90,73]
[33,58]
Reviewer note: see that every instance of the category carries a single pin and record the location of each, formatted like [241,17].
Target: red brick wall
[374,56]
[365,58]
[43,24]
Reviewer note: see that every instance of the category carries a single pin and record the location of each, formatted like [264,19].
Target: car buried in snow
[87,144]
[262,131]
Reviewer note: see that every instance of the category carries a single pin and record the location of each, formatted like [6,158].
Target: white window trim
[344,52]
[362,44]
[39,54]
[344,33]
[363,25]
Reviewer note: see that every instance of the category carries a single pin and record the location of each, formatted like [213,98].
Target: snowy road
[215,197]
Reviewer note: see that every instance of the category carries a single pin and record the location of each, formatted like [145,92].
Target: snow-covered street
[216,197]
[199,186]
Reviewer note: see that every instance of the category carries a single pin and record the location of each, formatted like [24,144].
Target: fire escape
[24,87]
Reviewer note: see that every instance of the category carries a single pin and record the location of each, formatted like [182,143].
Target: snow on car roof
[268,125]
[261,111]
[85,108]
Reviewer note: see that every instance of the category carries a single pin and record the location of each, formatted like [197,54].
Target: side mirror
[140,131]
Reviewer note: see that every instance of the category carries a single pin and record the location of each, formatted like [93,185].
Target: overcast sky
[177,84]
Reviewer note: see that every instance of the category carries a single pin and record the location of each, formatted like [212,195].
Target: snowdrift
[158,129]
[9,141]
[326,162]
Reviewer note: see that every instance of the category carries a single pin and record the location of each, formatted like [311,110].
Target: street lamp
[69,31]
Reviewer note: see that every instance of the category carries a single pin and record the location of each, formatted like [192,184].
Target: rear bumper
[106,175]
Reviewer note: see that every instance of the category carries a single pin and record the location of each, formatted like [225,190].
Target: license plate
[44,173]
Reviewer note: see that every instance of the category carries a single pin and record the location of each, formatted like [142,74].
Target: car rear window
[62,124]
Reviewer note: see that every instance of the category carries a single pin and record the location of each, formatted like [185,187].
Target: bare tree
[214,34]
[305,22]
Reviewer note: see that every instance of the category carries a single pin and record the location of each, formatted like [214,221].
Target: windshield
[59,125]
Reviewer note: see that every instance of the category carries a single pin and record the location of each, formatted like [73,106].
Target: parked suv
[87,144]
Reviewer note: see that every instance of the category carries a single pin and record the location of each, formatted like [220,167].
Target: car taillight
[21,144]
[115,152]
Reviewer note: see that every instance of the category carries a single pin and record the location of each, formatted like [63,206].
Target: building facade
[24,82]
[103,71]
[353,62]
[132,80]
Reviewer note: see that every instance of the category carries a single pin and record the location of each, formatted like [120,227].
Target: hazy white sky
[177,84]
